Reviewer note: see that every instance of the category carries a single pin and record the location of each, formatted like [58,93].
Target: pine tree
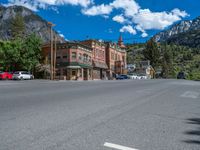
[152,53]
[167,61]
[17,27]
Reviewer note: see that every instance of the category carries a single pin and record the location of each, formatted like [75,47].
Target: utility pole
[54,63]
[51,43]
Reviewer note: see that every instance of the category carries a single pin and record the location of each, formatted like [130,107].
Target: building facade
[98,58]
[87,60]
[116,58]
[73,61]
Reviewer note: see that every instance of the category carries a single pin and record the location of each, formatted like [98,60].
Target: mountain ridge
[185,33]
[33,23]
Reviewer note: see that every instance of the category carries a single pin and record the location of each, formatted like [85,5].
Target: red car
[5,75]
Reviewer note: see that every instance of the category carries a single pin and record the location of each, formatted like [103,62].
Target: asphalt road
[100,115]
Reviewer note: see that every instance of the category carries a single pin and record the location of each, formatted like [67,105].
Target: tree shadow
[193,133]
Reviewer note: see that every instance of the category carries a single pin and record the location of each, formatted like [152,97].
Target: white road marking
[119,147]
[190,94]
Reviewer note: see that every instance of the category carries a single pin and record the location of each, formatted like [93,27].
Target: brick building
[116,58]
[98,58]
[73,60]
[88,60]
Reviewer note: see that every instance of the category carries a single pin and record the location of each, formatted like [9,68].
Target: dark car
[181,75]
[122,77]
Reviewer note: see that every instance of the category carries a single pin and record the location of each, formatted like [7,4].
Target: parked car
[132,76]
[5,75]
[181,75]
[22,75]
[142,76]
[122,77]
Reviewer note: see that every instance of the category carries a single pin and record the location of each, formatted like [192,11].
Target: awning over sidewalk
[97,64]
[73,67]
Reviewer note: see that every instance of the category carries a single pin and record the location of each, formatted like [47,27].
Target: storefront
[99,70]
[78,73]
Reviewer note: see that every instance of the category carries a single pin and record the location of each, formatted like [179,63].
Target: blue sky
[137,20]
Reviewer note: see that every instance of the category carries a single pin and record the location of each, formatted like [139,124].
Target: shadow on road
[193,134]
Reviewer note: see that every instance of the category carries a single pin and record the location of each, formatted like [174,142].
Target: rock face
[33,23]
[184,33]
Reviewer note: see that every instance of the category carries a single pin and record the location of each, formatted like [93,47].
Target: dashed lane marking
[190,94]
[119,147]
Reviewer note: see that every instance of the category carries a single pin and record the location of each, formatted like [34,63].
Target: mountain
[33,23]
[185,33]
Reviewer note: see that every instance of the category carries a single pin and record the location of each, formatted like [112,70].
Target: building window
[118,57]
[65,57]
[96,53]
[58,72]
[73,55]
[65,72]
[73,72]
[112,56]
[80,72]
[80,56]
[115,56]
[90,73]
[112,67]
[58,57]
[85,57]
[123,59]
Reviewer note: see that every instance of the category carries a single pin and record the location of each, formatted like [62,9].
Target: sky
[136,20]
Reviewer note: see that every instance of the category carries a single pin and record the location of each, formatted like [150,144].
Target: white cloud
[119,19]
[35,4]
[144,35]
[148,20]
[98,10]
[130,13]
[83,3]
[128,29]
[55,9]
[130,7]
[62,35]
[139,28]
[177,12]
[143,19]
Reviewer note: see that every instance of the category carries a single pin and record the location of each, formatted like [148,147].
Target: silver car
[22,75]
[132,76]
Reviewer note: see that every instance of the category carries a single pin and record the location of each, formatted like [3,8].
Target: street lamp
[51,43]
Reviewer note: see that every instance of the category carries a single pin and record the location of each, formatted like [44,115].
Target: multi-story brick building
[73,60]
[98,58]
[87,60]
[116,58]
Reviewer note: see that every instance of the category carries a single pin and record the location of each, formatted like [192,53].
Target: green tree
[18,27]
[152,53]
[167,59]
[20,55]
[30,52]
[9,54]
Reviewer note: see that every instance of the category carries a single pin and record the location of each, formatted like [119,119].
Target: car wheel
[21,78]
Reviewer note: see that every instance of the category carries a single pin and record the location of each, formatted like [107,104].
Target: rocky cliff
[33,23]
[184,33]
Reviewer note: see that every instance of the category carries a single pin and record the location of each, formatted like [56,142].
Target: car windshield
[17,72]
[181,74]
